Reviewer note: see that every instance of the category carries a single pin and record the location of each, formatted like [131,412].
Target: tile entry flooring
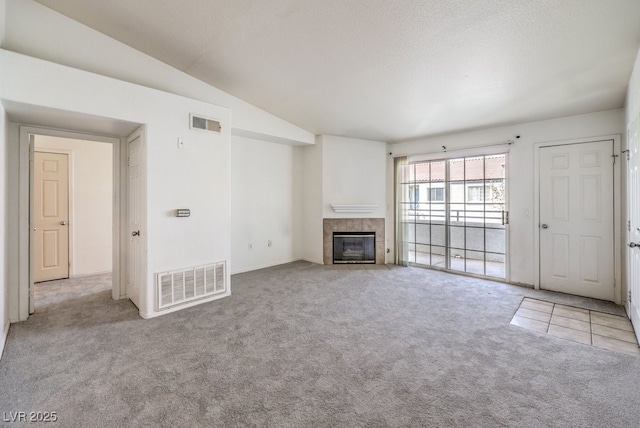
[579,325]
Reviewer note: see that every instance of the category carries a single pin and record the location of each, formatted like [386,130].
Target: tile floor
[595,328]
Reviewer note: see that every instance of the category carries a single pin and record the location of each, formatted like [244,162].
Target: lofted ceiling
[389,70]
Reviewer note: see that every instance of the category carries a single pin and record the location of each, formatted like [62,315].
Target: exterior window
[478,193]
[414,197]
[437,194]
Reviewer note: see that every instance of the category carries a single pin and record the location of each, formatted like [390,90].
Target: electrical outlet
[269,243]
[250,246]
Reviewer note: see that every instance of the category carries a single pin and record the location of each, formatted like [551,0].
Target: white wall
[312,200]
[266,203]
[3,7]
[197,177]
[633,94]
[35,30]
[91,185]
[520,168]
[339,170]
[4,239]
[354,172]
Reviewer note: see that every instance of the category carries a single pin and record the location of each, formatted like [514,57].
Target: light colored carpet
[304,345]
[52,294]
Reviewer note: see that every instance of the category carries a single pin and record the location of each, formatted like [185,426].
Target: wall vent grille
[204,124]
[185,285]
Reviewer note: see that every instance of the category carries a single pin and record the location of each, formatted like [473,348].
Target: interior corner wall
[633,94]
[3,14]
[11,212]
[91,185]
[312,191]
[520,168]
[266,204]
[4,244]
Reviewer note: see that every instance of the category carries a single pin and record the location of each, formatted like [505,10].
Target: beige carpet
[304,345]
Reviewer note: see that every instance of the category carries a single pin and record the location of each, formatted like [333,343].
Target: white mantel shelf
[354,208]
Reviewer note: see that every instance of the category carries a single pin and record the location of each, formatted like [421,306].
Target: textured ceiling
[389,70]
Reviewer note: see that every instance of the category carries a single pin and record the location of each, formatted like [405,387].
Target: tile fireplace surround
[331,225]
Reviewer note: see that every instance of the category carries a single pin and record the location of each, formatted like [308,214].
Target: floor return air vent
[182,286]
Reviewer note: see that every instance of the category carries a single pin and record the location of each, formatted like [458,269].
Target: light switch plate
[182,144]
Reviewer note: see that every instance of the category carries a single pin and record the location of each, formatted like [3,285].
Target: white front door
[634,225]
[51,216]
[134,259]
[576,219]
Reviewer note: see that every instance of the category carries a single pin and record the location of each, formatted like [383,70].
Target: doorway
[454,216]
[576,191]
[25,296]
[73,210]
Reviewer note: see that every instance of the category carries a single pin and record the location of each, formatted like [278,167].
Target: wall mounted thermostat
[183,212]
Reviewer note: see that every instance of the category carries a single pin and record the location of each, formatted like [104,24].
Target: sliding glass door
[453,214]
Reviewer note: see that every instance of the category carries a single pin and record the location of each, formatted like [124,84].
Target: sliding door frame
[414,159]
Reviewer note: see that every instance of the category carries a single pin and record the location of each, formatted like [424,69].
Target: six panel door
[51,212]
[576,219]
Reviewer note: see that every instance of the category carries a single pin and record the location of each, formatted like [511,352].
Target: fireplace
[354,247]
[369,227]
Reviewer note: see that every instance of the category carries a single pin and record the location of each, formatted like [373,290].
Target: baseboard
[268,265]
[521,284]
[155,314]
[3,339]
[89,274]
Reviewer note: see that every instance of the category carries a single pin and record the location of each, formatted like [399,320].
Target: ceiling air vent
[204,124]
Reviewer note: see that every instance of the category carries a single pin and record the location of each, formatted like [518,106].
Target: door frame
[617,208]
[25,228]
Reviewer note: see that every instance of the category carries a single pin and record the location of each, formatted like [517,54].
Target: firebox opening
[354,247]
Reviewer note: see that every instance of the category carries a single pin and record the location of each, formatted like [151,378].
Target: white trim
[21,311]
[268,265]
[84,275]
[354,208]
[155,314]
[3,338]
[617,251]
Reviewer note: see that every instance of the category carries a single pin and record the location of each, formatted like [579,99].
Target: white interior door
[135,250]
[576,219]
[51,216]
[634,225]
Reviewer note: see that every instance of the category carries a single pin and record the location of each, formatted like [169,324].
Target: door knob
[545,226]
[63,223]
[135,233]
[634,245]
